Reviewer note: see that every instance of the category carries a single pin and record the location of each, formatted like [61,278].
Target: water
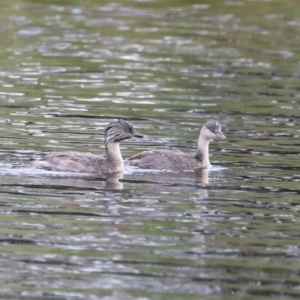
[68,68]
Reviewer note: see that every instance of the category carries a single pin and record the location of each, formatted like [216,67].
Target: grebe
[177,160]
[90,163]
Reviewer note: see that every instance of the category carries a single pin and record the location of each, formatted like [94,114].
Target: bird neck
[114,156]
[202,152]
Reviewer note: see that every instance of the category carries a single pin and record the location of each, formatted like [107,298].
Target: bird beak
[220,135]
[136,134]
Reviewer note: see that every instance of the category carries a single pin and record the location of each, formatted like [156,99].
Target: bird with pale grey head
[177,160]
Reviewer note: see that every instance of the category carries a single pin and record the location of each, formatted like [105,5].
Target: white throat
[203,151]
[114,156]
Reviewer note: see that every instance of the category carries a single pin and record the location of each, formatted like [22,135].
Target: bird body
[79,162]
[177,160]
[165,160]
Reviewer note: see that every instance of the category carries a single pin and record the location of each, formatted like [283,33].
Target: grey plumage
[177,160]
[88,162]
[119,131]
[165,160]
[213,126]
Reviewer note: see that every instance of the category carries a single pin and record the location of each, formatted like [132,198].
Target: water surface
[68,68]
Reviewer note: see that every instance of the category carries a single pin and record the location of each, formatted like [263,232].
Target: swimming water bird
[90,163]
[177,160]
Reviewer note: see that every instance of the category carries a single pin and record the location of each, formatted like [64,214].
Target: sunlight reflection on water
[67,71]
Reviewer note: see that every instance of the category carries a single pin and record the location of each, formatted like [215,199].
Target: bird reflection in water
[110,182]
[199,179]
[170,180]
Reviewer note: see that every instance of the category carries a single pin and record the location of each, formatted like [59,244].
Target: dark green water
[67,68]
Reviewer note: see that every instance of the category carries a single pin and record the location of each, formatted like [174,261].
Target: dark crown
[118,131]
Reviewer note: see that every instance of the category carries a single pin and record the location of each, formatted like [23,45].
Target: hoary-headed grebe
[177,160]
[90,163]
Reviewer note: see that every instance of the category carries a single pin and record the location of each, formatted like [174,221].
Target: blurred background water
[67,68]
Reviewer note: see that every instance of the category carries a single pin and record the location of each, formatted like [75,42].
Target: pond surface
[68,68]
